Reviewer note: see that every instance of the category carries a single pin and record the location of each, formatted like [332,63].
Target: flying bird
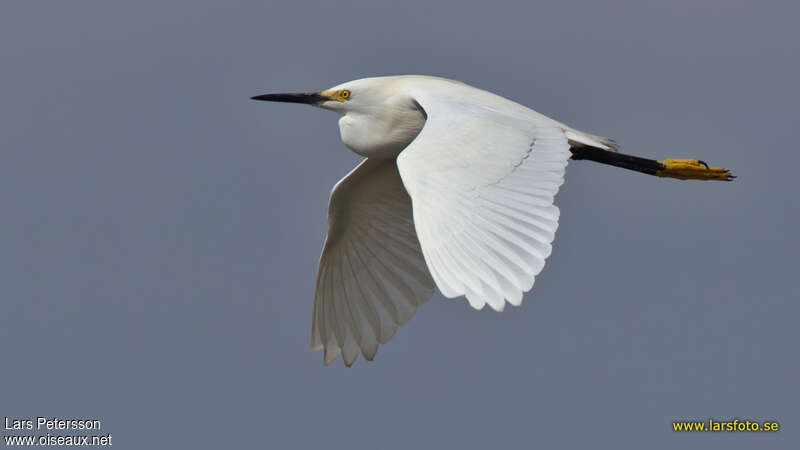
[455,191]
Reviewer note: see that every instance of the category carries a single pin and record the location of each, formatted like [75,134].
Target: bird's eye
[345,93]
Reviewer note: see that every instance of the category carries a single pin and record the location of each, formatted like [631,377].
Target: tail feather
[579,138]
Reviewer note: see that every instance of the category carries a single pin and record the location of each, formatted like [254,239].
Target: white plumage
[457,189]
[371,275]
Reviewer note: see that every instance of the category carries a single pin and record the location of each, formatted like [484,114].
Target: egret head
[338,98]
[352,96]
[379,118]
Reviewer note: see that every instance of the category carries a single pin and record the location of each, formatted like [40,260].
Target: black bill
[309,98]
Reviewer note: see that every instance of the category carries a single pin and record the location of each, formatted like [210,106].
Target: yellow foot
[692,169]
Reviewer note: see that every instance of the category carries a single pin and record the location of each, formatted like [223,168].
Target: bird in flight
[455,191]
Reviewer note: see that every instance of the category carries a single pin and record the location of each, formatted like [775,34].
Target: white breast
[382,132]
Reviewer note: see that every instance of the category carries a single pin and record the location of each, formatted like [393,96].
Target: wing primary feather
[441,277]
[533,243]
[504,274]
[396,281]
[522,224]
[352,294]
[372,273]
[509,260]
[349,321]
[324,291]
[317,330]
[367,309]
[338,318]
[457,260]
[401,259]
[378,290]
[493,293]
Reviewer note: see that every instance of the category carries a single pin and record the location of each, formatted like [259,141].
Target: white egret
[456,190]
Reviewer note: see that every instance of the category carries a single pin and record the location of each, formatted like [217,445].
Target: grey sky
[160,231]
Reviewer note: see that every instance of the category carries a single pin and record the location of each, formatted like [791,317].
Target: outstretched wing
[372,276]
[482,175]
